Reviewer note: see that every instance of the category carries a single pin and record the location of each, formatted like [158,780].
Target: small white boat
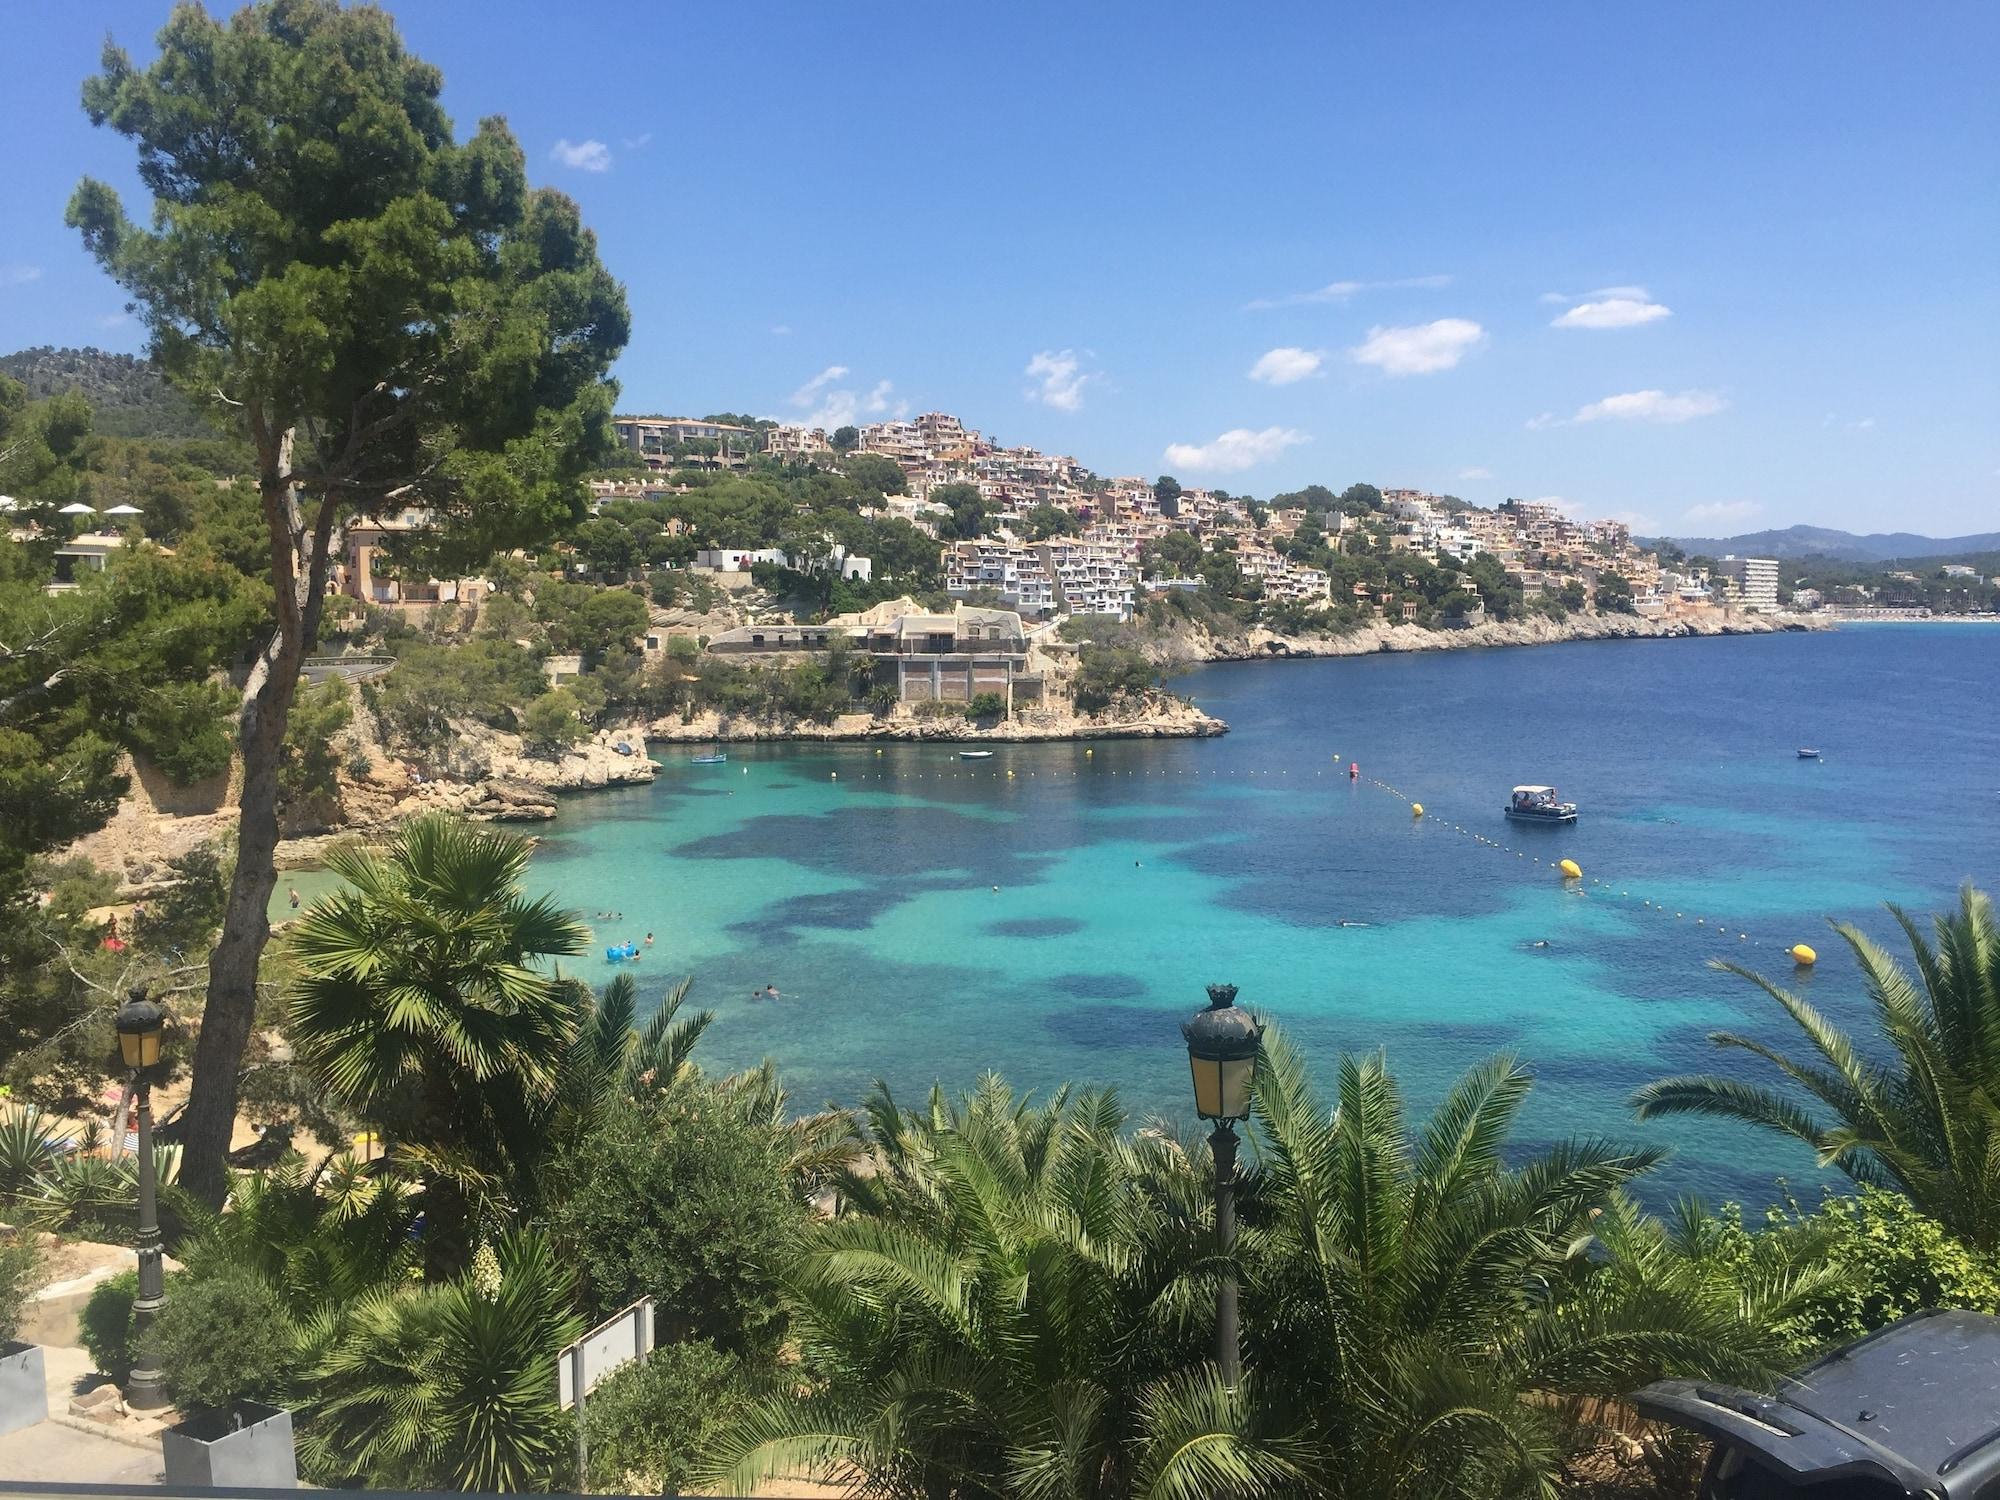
[708,760]
[975,755]
[1539,804]
[1805,754]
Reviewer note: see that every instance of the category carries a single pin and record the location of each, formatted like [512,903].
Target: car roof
[1918,1402]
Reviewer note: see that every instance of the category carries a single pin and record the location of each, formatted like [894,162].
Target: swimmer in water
[771,992]
[649,940]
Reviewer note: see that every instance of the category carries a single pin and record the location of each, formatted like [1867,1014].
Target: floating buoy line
[1572,875]
[1569,871]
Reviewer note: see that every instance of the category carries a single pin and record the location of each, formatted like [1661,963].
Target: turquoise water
[862,883]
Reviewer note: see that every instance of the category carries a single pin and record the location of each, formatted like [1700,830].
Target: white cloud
[1730,511]
[1475,473]
[1341,291]
[635,142]
[1542,419]
[1652,406]
[833,406]
[585,156]
[1237,449]
[1060,379]
[803,396]
[114,320]
[1866,424]
[17,274]
[1421,349]
[1284,365]
[1613,312]
[780,330]
[1611,293]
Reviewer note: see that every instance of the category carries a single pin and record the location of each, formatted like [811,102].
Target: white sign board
[607,1347]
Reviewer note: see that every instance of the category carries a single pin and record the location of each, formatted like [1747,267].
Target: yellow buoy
[1804,956]
[1010,775]
[1571,870]
[1416,809]
[834,775]
[1088,751]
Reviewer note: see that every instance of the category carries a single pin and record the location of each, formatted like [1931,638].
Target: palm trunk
[231,1002]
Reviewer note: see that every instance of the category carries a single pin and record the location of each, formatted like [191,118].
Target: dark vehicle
[1911,1411]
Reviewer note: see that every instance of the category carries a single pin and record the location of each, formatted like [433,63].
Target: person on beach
[294,898]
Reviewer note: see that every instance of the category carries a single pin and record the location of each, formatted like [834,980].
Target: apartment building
[790,441]
[664,442]
[363,571]
[1091,577]
[1753,581]
[1017,573]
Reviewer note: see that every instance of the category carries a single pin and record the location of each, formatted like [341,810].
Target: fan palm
[424,1005]
[448,1386]
[318,1237]
[982,1321]
[1442,1313]
[1927,1120]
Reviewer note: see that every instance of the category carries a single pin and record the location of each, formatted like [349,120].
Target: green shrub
[105,1325]
[1109,675]
[1900,1261]
[678,1198]
[986,706]
[19,1265]
[221,1339]
[649,1424]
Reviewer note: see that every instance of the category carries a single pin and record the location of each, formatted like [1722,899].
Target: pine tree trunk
[299,564]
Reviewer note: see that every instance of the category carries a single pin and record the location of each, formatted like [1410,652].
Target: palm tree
[425,1006]
[1925,1122]
[448,1386]
[1447,1319]
[983,1319]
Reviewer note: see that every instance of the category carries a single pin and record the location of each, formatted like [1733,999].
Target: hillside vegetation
[127,396]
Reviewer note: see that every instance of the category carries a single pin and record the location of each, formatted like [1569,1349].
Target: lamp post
[1222,1055]
[138,1022]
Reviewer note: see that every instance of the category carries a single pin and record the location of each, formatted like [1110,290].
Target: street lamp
[1222,1056]
[139,1020]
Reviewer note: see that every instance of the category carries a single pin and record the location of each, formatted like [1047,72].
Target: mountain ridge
[1823,541]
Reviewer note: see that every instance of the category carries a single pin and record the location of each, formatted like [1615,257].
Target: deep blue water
[861,883]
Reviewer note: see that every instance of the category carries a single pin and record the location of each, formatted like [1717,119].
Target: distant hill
[1819,541]
[127,396]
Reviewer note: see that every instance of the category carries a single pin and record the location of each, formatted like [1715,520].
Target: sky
[1704,267]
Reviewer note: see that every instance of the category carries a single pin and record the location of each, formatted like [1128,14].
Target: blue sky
[1710,267]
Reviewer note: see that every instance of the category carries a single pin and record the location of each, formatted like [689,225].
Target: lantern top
[138,1015]
[1221,1033]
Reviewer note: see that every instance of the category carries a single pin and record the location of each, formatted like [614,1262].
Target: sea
[1054,912]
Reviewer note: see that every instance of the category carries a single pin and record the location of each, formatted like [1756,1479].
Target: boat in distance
[1806,754]
[975,755]
[708,760]
[1539,804]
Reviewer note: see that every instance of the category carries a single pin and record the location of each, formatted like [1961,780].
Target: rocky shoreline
[1266,645]
[1167,718]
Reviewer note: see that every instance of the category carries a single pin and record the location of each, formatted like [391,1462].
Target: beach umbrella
[78,508]
[124,510]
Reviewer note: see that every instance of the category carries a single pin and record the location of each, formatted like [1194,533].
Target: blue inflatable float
[621,952]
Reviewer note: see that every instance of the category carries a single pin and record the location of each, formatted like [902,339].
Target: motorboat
[1539,804]
[1805,754]
[975,755]
[716,759]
